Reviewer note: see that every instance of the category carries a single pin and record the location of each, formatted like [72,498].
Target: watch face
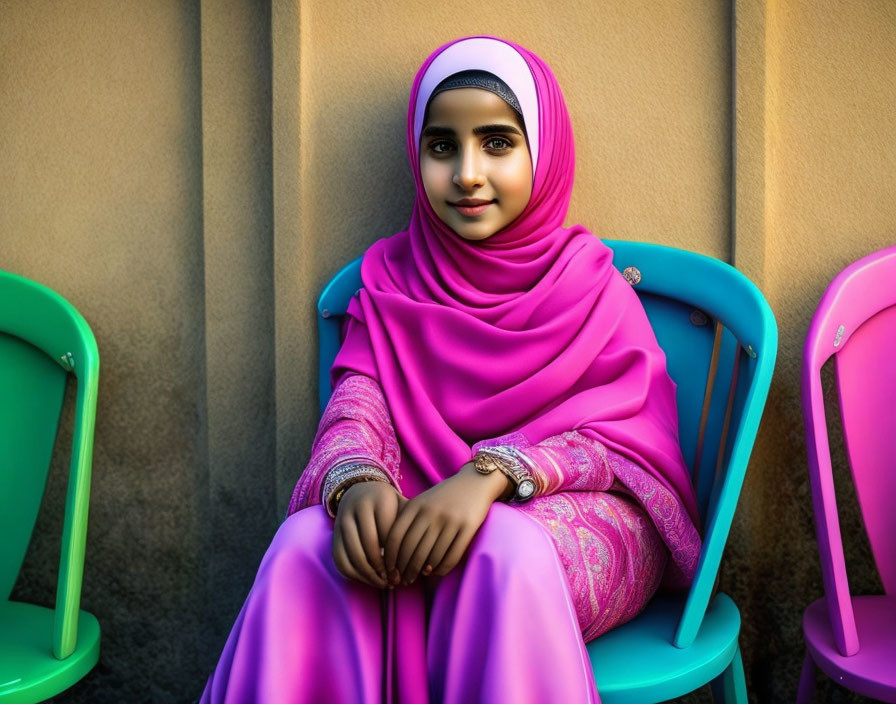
[525,489]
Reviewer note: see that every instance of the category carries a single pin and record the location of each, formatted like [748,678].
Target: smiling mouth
[471,207]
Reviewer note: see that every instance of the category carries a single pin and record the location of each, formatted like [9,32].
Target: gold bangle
[486,464]
[337,497]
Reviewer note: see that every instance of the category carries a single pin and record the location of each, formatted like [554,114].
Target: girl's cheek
[518,175]
[519,182]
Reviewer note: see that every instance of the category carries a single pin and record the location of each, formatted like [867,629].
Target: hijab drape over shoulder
[531,330]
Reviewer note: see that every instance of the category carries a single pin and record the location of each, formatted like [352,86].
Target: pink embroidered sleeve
[572,461]
[355,437]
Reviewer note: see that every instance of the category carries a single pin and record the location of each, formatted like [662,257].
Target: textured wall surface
[101,198]
[189,173]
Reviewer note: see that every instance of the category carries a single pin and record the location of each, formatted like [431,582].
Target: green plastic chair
[43,339]
[720,340]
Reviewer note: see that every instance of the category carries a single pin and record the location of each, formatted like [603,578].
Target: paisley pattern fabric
[612,554]
[614,542]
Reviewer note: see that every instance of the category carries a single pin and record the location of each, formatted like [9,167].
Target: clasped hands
[382,539]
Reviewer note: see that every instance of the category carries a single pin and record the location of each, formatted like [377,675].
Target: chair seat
[872,670]
[660,671]
[28,670]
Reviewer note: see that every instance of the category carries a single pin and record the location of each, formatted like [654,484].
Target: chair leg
[731,687]
[807,681]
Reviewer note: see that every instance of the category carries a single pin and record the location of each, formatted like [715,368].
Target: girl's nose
[468,174]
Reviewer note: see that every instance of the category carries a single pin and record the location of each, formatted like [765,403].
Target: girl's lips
[470,210]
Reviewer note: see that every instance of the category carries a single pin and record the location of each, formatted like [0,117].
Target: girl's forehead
[485,54]
[472,107]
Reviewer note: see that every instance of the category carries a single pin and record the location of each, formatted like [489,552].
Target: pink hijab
[530,331]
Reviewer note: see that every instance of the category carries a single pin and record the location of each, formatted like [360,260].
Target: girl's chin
[474,237]
[473,232]
[466,234]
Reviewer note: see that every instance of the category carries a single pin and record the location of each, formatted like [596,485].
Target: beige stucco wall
[189,174]
[101,198]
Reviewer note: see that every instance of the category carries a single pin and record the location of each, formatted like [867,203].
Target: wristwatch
[488,459]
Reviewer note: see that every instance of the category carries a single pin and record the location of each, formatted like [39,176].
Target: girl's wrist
[496,485]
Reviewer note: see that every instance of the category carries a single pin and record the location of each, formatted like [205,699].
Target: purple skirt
[502,626]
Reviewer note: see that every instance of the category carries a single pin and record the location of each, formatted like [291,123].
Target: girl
[497,477]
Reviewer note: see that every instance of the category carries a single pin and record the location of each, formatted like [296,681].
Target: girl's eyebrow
[436,131]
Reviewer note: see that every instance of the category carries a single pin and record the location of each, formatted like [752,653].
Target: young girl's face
[474,162]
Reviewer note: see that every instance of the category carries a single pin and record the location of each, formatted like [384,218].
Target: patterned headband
[479,79]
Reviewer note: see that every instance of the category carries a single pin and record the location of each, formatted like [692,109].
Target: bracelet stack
[512,463]
[345,475]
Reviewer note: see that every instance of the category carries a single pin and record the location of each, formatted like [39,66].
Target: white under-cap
[490,55]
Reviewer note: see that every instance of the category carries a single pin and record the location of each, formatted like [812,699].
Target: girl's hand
[434,529]
[366,512]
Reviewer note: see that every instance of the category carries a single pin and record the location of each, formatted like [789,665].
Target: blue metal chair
[43,342]
[714,325]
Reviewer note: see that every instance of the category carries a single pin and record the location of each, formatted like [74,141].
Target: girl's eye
[440,146]
[498,143]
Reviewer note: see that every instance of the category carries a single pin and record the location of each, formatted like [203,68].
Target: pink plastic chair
[853,638]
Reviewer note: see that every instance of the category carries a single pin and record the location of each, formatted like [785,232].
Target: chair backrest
[43,339]
[855,322]
[720,340]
